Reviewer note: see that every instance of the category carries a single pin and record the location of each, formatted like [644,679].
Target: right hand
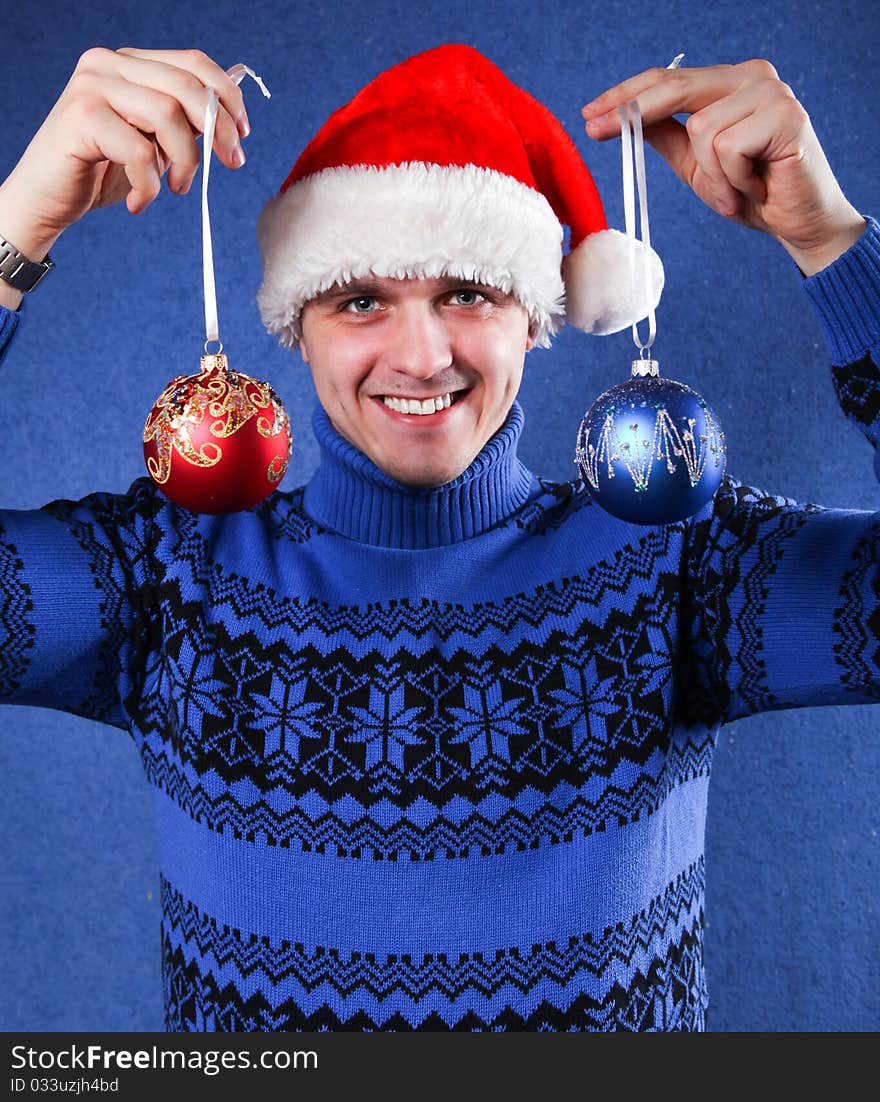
[124,119]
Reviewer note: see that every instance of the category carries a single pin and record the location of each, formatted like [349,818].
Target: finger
[762,121]
[777,128]
[670,138]
[704,128]
[153,113]
[671,84]
[114,140]
[208,71]
[718,133]
[739,167]
[665,92]
[178,83]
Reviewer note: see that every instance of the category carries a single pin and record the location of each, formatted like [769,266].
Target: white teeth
[412,405]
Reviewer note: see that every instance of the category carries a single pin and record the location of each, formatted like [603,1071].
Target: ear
[302,350]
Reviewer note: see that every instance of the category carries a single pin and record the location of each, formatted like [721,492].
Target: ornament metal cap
[644,366]
[214,361]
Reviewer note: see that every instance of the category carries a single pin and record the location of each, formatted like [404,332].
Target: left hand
[748,150]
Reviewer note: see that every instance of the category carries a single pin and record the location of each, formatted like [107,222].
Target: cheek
[501,349]
[340,370]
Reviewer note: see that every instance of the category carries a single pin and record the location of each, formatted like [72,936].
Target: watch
[18,270]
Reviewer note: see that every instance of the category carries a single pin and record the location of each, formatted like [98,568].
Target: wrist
[30,240]
[9,297]
[834,244]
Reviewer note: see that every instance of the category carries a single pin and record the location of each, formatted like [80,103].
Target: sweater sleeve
[781,606]
[9,323]
[76,597]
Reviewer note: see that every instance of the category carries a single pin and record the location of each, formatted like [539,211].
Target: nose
[418,342]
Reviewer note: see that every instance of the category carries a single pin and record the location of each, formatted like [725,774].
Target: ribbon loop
[633,146]
[237,73]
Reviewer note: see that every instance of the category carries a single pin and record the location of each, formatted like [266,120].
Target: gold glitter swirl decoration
[230,399]
[179,410]
[278,463]
[667,443]
[263,397]
[277,467]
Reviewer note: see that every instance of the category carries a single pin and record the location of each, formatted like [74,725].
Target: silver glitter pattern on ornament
[617,442]
[651,450]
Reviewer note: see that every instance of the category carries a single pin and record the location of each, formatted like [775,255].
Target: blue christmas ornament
[651,449]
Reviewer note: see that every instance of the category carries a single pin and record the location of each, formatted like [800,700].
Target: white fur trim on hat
[408,221]
[605,285]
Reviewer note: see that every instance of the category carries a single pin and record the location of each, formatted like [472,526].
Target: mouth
[421,412]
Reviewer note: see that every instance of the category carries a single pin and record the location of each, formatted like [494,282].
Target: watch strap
[18,270]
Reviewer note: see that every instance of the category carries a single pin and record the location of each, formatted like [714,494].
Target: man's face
[416,339]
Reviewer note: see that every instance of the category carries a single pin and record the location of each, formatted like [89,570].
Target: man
[430,737]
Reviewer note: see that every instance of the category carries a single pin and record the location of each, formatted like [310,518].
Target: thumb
[672,141]
[162,161]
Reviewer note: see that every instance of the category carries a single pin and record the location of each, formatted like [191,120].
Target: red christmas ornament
[219,441]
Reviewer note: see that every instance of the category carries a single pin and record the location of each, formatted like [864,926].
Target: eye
[471,291]
[352,301]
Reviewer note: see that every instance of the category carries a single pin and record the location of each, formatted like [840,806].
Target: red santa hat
[441,166]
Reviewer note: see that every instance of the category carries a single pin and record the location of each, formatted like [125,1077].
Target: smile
[420,407]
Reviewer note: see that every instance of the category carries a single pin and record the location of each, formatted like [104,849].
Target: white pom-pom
[605,291]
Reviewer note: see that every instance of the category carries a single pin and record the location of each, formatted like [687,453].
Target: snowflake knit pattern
[439,759]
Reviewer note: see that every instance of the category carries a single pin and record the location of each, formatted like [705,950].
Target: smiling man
[430,737]
[418,373]
[415,252]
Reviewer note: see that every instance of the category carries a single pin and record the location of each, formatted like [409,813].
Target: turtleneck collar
[351,495]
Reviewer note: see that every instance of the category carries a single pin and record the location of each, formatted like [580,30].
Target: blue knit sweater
[439,759]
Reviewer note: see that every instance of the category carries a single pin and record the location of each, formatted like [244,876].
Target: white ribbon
[237,73]
[631,116]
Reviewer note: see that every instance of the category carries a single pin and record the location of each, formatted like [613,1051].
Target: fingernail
[601,122]
[588,109]
[238,156]
[244,127]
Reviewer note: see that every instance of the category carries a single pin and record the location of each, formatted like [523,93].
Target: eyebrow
[373,286]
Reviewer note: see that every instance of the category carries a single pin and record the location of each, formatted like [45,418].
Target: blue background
[792,847]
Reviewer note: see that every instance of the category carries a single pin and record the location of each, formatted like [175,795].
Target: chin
[420,477]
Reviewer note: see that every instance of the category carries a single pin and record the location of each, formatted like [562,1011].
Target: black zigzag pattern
[553,507]
[284,519]
[670,995]
[632,566]
[484,974]
[857,631]
[110,528]
[576,702]
[857,386]
[443,836]
[17,630]
[726,675]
